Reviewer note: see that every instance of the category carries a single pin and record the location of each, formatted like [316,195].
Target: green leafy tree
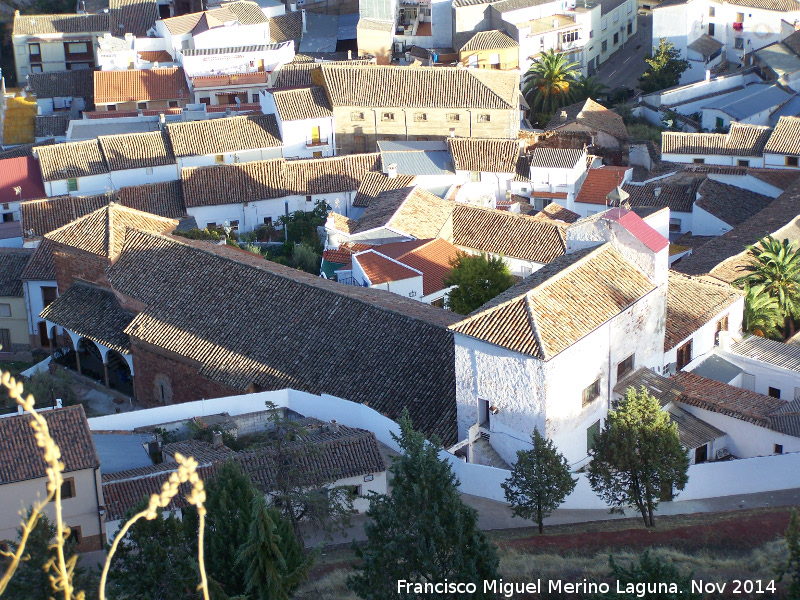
[762,313]
[229,498]
[540,481]
[479,279]
[791,568]
[421,531]
[305,258]
[272,558]
[547,82]
[664,68]
[302,488]
[776,266]
[589,87]
[637,459]
[32,579]
[301,226]
[648,572]
[155,562]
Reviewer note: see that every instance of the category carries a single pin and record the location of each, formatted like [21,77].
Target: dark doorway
[701,454]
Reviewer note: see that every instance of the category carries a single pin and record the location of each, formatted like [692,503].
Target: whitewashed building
[305,120]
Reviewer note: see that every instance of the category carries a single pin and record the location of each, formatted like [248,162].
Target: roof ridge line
[394,260]
[534,322]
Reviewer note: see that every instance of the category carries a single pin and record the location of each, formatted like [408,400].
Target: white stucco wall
[34,302]
[776,161]
[703,338]
[93,184]
[704,223]
[766,375]
[748,182]
[241,156]
[134,177]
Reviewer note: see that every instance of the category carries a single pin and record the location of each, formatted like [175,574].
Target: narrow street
[625,66]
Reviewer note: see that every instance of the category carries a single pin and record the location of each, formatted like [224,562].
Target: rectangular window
[591,436]
[234,225]
[77,48]
[791,161]
[711,11]
[141,105]
[219,159]
[674,225]
[630,28]
[67,488]
[206,101]
[616,39]
[475,176]
[420,117]
[616,16]
[777,449]
[684,355]
[699,161]
[5,310]
[34,50]
[570,36]
[738,43]
[49,294]
[604,24]
[630,8]
[211,226]
[453,117]
[722,325]
[255,98]
[5,339]
[591,33]
[711,29]
[591,392]
[701,454]
[387,116]
[742,163]
[267,220]
[308,198]
[72,184]
[774,392]
[172,104]
[75,534]
[149,170]
[484,118]
[356,116]
[36,69]
[604,46]
[625,367]
[354,490]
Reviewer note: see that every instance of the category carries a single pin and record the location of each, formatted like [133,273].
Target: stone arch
[90,359]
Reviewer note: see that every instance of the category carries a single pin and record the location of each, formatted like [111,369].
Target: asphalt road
[627,64]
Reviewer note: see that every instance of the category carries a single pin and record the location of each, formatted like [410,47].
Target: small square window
[420,117]
[308,198]
[172,104]
[777,449]
[453,117]
[674,225]
[738,43]
[774,392]
[387,116]
[234,224]
[219,159]
[267,220]
[72,184]
[5,310]
[149,170]
[354,490]
[791,161]
[356,116]
[484,118]
[625,367]
[74,534]
[591,392]
[210,226]
[475,176]
[141,105]
[67,488]
[34,49]
[699,161]
[742,163]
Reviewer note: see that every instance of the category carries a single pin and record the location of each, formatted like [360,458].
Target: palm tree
[762,314]
[776,266]
[548,80]
[589,87]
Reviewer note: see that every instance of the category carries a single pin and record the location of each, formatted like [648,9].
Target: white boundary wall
[707,480]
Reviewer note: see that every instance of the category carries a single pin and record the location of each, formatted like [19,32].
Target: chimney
[303,14]
[563,116]
[162,120]
[555,23]
[708,75]
[334,426]
[657,192]
[391,171]
[349,55]
[217,439]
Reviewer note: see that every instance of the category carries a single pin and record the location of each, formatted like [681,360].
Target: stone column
[105,371]
[78,358]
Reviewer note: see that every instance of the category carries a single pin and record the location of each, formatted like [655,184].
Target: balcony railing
[320,141]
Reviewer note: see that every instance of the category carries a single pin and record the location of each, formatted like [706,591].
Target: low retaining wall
[707,480]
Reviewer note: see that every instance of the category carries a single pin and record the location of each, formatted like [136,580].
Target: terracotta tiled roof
[248,345]
[48,24]
[731,204]
[779,178]
[341,255]
[24,149]
[350,453]
[777,5]
[374,183]
[63,84]
[301,104]
[691,303]
[661,388]
[159,56]
[523,168]
[199,21]
[741,140]
[12,263]
[43,216]
[375,25]
[409,211]
[485,40]
[140,85]
[288,26]
[599,183]
[41,266]
[556,212]
[786,137]
[131,16]
[227,134]
[22,172]
[727,400]
[343,224]
[91,312]
[556,158]
[421,87]
[51,126]
[73,159]
[543,315]
[382,269]
[501,232]
[202,452]
[679,197]
[261,180]
[102,232]
[162,199]
[724,255]
[136,150]
[431,257]
[489,156]
[592,115]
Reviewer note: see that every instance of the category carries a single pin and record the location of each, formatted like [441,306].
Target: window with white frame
[604,24]
[5,310]
[570,36]
[616,16]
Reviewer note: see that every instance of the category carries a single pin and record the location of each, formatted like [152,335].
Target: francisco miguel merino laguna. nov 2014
[509,588]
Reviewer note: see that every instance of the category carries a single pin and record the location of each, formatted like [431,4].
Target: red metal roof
[22,172]
[636,225]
